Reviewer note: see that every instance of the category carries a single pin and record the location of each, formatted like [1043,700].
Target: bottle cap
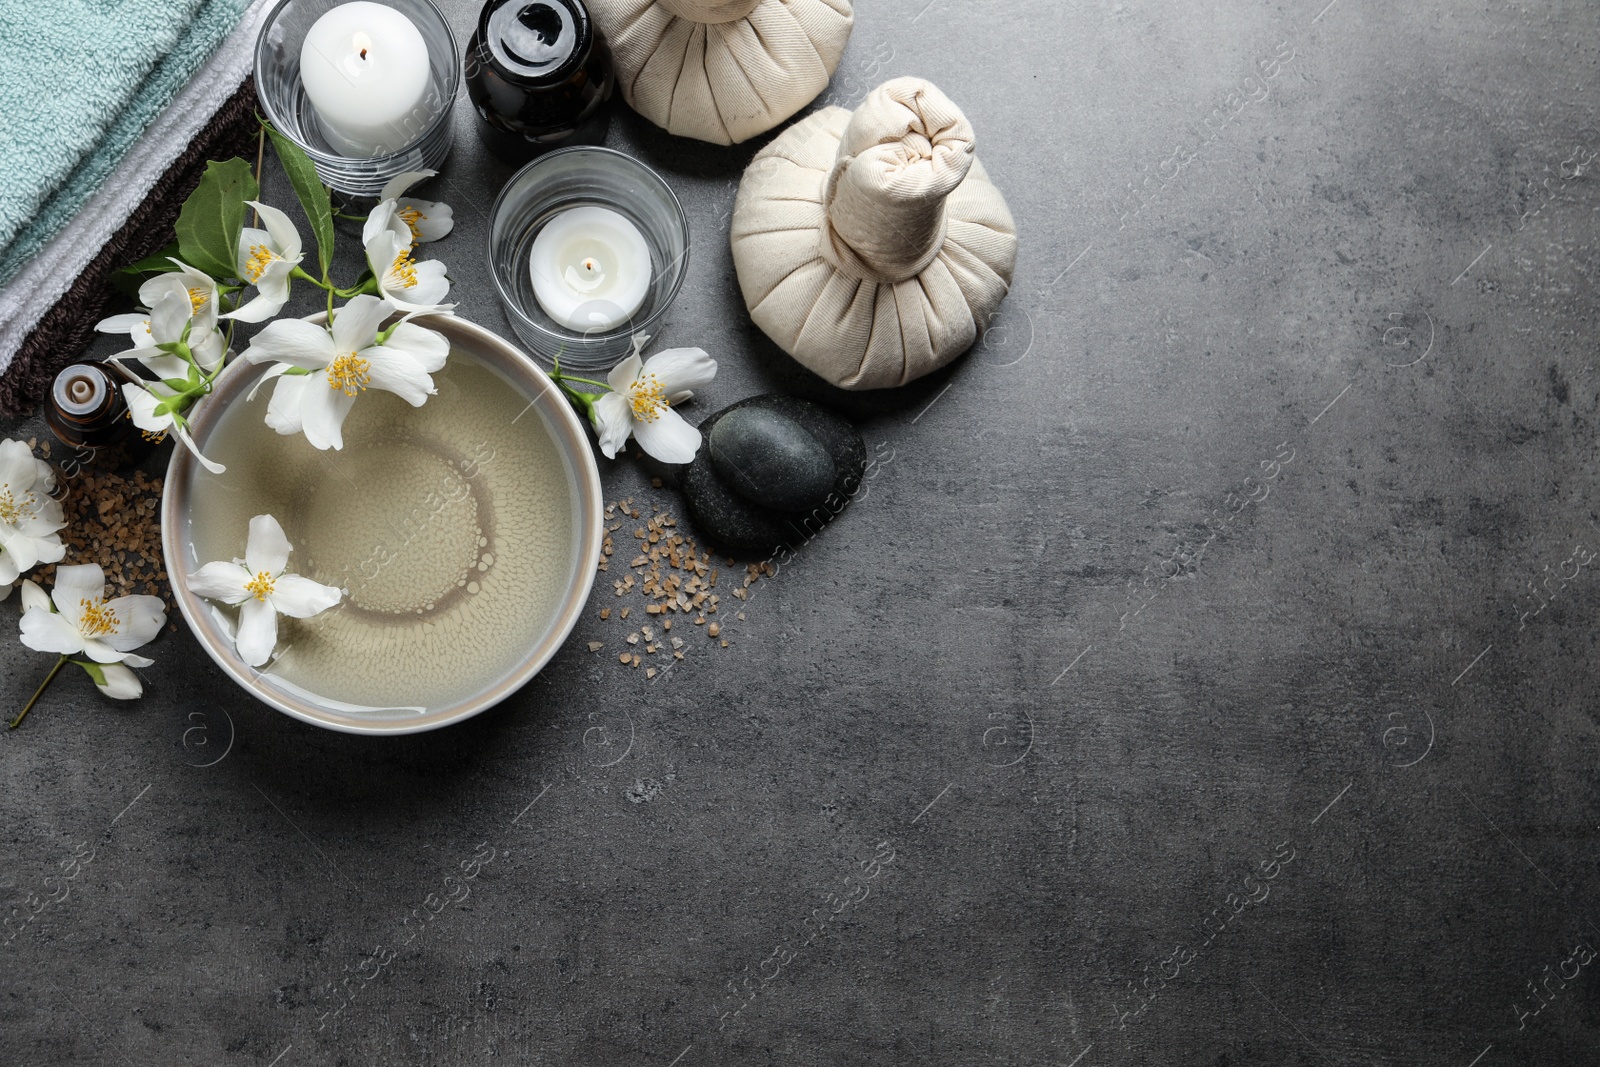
[83,390]
[536,42]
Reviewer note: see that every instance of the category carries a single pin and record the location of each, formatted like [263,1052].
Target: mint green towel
[79,82]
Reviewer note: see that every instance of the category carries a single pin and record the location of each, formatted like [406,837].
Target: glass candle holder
[558,182]
[424,132]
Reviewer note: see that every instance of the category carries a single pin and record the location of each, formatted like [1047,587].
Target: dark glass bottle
[87,413]
[540,75]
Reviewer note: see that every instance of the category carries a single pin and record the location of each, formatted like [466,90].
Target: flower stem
[261,156]
[300,273]
[37,693]
[584,401]
[574,378]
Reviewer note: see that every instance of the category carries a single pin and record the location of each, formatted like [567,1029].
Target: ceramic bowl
[188,484]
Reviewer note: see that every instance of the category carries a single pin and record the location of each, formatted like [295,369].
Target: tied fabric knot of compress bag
[723,71]
[872,246]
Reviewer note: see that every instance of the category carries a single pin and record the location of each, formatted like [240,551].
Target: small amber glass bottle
[87,413]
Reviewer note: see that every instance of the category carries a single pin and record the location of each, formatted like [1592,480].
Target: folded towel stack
[99,101]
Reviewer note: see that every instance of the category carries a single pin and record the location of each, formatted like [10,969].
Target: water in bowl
[451,526]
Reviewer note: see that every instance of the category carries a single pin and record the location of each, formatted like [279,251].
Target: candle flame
[585,276]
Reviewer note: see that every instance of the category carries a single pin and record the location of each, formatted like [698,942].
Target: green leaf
[209,224]
[309,188]
[93,670]
[128,279]
[173,404]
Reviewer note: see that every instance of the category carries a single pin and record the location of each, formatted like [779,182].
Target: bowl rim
[570,437]
[514,312]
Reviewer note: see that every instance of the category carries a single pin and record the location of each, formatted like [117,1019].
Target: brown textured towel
[66,329]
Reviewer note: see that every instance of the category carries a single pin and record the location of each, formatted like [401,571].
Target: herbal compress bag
[872,246]
[723,70]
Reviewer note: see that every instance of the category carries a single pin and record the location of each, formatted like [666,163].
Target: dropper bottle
[87,413]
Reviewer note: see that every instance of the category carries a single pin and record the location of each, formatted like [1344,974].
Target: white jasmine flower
[83,622]
[385,218]
[262,590]
[640,403]
[165,325]
[150,409]
[154,408]
[92,626]
[427,220]
[198,288]
[344,360]
[266,259]
[136,324]
[113,679]
[33,596]
[30,518]
[209,351]
[405,283]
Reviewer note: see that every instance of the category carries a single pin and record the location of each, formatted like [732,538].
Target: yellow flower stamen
[647,398]
[412,218]
[260,586]
[98,620]
[261,257]
[404,269]
[197,300]
[13,510]
[153,436]
[349,372]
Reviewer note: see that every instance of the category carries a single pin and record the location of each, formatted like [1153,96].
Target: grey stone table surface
[1204,678]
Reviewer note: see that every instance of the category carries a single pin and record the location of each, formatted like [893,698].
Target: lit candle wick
[590,269]
[588,278]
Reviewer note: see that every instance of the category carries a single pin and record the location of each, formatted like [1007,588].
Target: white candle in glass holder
[365,69]
[591,269]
